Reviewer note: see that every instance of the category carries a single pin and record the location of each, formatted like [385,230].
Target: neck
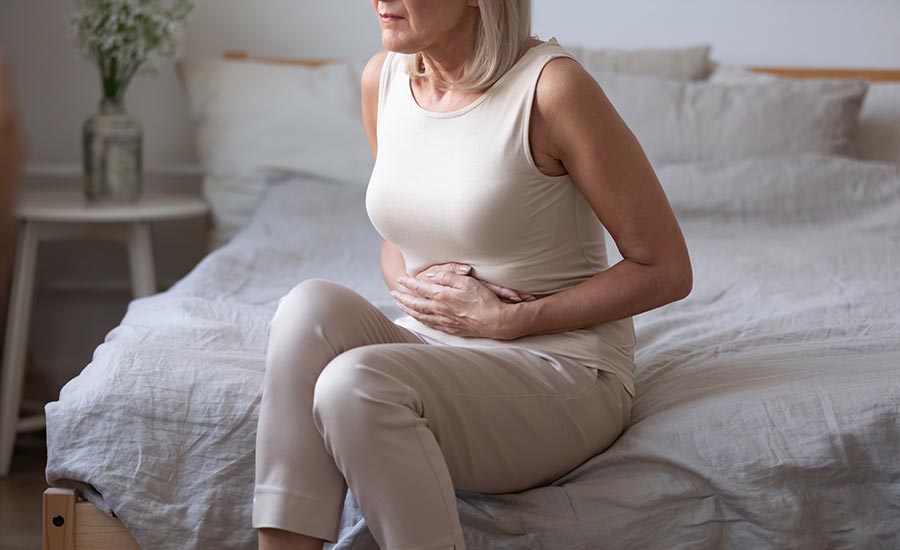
[447,58]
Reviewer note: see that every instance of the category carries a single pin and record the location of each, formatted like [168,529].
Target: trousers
[350,399]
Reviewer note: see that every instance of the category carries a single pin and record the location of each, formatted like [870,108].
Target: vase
[111,150]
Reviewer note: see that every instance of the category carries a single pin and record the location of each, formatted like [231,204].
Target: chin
[400,46]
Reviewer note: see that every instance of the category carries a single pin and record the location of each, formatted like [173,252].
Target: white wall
[56,89]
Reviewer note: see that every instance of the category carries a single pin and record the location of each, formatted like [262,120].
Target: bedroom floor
[21,494]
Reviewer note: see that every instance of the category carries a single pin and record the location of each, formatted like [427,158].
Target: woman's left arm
[608,165]
[605,160]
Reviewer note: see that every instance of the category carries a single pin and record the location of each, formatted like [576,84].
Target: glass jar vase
[111,150]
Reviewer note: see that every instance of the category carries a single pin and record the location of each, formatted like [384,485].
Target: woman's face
[420,23]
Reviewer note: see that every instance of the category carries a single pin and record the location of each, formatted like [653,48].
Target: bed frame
[72,523]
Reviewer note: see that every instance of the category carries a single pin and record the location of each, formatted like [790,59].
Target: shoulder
[564,85]
[372,73]
[569,104]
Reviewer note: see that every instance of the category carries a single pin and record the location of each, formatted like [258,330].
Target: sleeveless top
[462,186]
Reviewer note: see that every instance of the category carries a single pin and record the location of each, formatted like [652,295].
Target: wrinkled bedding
[767,412]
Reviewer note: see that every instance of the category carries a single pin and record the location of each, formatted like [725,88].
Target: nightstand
[67,214]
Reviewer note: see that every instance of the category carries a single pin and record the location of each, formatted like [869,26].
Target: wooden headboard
[238,55]
[873,75]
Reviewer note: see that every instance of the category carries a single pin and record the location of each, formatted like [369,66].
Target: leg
[409,424]
[16,346]
[140,260]
[298,487]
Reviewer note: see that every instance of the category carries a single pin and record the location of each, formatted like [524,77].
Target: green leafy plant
[124,37]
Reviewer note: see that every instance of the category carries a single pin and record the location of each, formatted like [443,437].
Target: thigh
[506,418]
[335,314]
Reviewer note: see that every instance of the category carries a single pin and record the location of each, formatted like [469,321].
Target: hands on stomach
[444,297]
[506,294]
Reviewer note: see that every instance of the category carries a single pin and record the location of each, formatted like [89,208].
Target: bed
[767,412]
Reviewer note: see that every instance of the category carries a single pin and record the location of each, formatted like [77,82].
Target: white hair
[503,30]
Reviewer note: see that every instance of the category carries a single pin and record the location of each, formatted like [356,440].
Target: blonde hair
[503,31]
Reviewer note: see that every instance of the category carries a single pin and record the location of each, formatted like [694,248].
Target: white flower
[121,36]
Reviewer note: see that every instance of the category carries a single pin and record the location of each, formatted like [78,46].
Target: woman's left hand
[456,304]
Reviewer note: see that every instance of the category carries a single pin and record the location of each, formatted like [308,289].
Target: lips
[389,16]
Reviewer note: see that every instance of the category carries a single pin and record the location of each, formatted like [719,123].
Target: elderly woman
[499,162]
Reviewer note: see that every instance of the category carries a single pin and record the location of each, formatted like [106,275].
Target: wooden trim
[240,55]
[79,525]
[872,75]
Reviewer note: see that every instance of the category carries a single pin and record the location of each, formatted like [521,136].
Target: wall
[82,286]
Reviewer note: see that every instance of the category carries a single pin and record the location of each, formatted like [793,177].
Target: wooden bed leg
[73,525]
[59,519]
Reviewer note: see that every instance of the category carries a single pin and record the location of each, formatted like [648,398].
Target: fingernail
[463,268]
[429,274]
[516,298]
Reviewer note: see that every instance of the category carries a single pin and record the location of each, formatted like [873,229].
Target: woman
[499,161]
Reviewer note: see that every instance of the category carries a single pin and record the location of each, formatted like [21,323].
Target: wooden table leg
[140,260]
[16,342]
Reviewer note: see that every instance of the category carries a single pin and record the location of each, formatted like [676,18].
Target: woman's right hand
[464,269]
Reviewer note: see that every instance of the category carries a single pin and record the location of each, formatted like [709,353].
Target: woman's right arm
[393,264]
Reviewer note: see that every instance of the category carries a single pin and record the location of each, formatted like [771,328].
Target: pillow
[781,190]
[696,121]
[252,119]
[878,135]
[686,63]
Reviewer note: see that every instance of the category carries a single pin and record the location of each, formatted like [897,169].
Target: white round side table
[68,214]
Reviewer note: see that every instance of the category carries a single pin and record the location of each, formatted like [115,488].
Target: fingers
[419,286]
[503,292]
[455,267]
[412,303]
[512,294]
[455,280]
[434,320]
[447,278]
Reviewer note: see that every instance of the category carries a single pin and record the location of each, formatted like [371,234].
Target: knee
[314,302]
[356,388]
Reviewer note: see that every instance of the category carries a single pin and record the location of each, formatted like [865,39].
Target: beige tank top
[462,186]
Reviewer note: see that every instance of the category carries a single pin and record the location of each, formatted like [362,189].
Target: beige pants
[352,399]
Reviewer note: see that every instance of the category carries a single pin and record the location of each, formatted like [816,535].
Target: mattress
[767,412]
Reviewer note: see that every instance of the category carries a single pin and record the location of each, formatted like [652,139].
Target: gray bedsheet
[768,402]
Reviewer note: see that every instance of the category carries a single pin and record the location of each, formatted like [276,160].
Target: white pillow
[781,190]
[253,119]
[696,121]
[685,63]
[878,135]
